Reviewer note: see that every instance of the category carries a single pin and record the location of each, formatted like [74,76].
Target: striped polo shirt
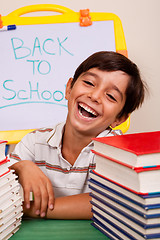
[43,147]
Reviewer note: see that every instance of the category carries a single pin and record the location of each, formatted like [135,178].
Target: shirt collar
[55,137]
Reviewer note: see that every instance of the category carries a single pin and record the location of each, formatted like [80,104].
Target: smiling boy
[54,163]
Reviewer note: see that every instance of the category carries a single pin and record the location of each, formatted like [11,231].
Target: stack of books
[125,186]
[10,199]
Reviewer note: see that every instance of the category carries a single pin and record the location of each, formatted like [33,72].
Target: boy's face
[95,100]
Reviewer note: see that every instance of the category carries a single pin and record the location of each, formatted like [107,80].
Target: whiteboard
[36,62]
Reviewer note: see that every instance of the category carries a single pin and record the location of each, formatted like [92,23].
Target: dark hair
[113,61]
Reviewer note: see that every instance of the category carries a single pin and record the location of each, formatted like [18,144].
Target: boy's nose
[95,96]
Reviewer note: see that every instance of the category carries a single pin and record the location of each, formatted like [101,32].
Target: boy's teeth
[86,108]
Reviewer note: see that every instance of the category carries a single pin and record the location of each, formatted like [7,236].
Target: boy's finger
[37,200]
[51,196]
[44,201]
[27,198]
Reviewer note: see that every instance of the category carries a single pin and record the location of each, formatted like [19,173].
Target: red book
[144,180]
[134,150]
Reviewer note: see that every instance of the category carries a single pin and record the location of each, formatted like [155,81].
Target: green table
[45,229]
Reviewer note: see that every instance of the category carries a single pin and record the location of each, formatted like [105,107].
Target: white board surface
[36,62]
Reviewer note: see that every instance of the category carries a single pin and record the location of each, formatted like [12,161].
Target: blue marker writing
[7,28]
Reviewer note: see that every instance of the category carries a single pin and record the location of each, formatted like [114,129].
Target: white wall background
[141,25]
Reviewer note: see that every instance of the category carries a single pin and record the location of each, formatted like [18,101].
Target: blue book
[118,230]
[122,205]
[145,221]
[105,230]
[109,194]
[114,216]
[115,231]
[138,198]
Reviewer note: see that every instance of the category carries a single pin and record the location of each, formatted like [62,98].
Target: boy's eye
[111,97]
[88,82]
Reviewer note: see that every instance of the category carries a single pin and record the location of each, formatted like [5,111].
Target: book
[109,227]
[9,233]
[11,186]
[129,229]
[135,150]
[109,233]
[4,167]
[120,230]
[135,225]
[125,204]
[10,230]
[11,211]
[15,201]
[146,209]
[6,178]
[142,220]
[10,221]
[125,186]
[103,202]
[144,180]
[145,220]
[2,150]
[11,215]
[137,197]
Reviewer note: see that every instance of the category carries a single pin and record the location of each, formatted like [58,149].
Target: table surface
[45,229]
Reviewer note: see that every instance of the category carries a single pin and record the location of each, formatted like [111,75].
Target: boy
[54,163]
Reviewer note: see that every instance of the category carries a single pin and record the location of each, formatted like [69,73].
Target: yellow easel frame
[67,16]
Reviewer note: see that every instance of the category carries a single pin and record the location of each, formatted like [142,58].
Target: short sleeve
[24,150]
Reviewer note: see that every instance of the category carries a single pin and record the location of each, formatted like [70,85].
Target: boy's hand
[34,180]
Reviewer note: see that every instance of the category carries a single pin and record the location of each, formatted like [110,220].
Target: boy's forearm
[70,207]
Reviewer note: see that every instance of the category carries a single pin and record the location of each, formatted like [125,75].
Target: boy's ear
[118,121]
[68,88]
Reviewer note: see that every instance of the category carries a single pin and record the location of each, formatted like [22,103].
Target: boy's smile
[86,111]
[95,100]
